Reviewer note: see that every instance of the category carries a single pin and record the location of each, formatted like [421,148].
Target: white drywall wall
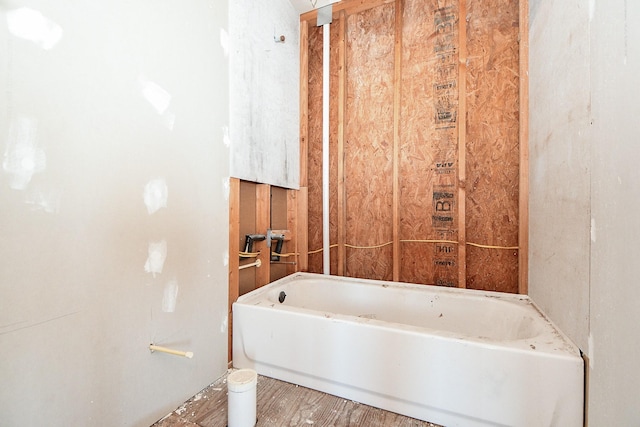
[585,181]
[113,210]
[559,216]
[615,209]
[265,100]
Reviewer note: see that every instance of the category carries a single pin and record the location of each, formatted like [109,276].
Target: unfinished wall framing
[426,141]
[253,210]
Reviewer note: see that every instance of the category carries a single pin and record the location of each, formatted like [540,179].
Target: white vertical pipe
[326,260]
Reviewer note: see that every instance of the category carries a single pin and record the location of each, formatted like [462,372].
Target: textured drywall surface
[265,101]
[113,217]
[559,216]
[585,55]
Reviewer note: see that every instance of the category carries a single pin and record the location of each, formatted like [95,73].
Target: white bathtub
[454,357]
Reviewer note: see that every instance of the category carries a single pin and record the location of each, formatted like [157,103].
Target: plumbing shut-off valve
[279,238]
[249,239]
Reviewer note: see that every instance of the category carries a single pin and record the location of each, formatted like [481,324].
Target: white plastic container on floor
[241,386]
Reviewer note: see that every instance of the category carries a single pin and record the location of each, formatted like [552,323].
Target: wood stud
[462,146]
[523,220]
[234,260]
[397,96]
[263,222]
[342,100]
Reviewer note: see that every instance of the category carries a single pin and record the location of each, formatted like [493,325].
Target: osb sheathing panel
[369,141]
[428,163]
[492,144]
[314,160]
[428,146]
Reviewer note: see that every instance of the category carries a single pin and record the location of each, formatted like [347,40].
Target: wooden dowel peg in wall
[187,354]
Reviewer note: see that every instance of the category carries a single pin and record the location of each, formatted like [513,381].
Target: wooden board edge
[234,260]
[349,7]
[462,144]
[523,209]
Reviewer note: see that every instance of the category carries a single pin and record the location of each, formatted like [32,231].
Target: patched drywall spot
[225,325]
[226,187]
[224,41]
[47,200]
[169,120]
[30,24]
[23,158]
[593,230]
[155,95]
[170,296]
[155,195]
[226,139]
[156,258]
[225,258]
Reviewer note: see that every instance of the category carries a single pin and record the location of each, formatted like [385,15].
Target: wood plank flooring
[283,404]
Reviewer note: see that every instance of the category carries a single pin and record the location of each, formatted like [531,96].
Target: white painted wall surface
[113,208]
[265,94]
[595,47]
